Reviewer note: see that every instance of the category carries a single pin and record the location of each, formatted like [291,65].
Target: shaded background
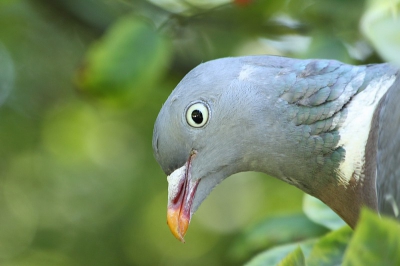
[81,83]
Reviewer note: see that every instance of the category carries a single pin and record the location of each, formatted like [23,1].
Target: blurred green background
[81,83]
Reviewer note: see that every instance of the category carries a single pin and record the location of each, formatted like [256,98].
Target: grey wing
[316,93]
[321,89]
[388,155]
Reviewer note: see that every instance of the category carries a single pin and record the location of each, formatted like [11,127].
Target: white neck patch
[355,129]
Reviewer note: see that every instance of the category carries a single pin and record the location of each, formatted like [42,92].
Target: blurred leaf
[276,230]
[66,132]
[219,32]
[376,241]
[327,47]
[125,63]
[95,13]
[295,258]
[7,73]
[42,258]
[188,6]
[337,18]
[18,221]
[380,24]
[329,249]
[321,214]
[274,255]
[219,212]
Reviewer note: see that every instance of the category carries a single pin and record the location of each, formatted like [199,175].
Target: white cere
[174,181]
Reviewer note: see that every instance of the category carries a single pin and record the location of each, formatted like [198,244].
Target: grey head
[270,114]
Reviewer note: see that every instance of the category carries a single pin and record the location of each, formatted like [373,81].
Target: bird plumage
[388,153]
[316,124]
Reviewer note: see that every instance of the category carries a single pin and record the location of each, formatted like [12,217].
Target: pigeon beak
[181,191]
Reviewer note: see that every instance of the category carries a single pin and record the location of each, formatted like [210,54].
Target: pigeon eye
[197,115]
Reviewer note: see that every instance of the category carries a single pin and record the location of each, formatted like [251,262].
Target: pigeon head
[204,129]
[296,120]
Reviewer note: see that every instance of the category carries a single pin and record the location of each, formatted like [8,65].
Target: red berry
[242,2]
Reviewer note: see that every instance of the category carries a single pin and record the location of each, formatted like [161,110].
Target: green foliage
[128,60]
[7,73]
[276,255]
[321,214]
[329,249]
[376,241]
[276,230]
[295,258]
[78,181]
[380,24]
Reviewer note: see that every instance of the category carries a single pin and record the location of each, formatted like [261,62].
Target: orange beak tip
[178,224]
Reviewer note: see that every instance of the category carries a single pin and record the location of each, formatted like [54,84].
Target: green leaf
[380,24]
[188,7]
[321,214]
[329,249]
[7,73]
[275,255]
[295,258]
[276,230]
[125,63]
[376,241]
[327,47]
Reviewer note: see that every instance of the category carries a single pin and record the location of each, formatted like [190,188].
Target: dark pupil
[197,116]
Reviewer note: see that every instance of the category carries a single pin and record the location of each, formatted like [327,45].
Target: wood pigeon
[328,128]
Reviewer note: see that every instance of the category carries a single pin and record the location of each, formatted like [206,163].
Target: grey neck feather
[388,156]
[325,148]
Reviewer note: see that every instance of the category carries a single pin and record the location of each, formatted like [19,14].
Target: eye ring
[197,114]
